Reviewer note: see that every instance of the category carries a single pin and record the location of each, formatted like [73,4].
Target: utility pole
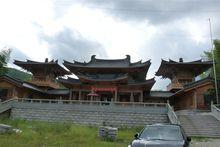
[213,61]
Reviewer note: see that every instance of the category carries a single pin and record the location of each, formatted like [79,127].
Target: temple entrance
[106,96]
[209,97]
[124,97]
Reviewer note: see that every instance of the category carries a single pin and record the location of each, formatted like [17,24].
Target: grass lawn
[43,134]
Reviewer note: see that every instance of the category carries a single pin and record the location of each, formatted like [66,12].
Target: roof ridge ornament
[128,58]
[93,58]
[181,60]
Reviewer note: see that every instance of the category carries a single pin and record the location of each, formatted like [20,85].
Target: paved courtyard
[206,143]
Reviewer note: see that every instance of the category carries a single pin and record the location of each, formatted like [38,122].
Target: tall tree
[208,56]
[217,57]
[4,58]
[211,94]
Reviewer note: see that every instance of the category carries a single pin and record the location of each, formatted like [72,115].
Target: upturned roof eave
[120,78]
[193,85]
[73,65]
[166,64]
[27,66]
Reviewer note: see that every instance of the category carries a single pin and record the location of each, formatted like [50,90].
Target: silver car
[161,135]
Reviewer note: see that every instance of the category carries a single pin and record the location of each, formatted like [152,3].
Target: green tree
[217,57]
[4,58]
[210,95]
[208,56]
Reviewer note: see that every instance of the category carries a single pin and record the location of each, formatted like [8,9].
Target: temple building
[181,73]
[112,80]
[187,93]
[44,73]
[108,80]
[42,85]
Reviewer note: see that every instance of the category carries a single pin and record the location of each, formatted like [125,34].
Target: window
[3,94]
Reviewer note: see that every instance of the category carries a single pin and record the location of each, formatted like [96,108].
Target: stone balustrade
[117,114]
[6,105]
[172,116]
[215,111]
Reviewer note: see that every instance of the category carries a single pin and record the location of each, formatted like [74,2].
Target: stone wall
[119,116]
[5,114]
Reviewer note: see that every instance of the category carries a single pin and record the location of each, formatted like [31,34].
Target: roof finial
[181,60]
[128,57]
[93,57]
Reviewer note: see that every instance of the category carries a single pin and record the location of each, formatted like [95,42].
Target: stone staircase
[199,124]
[6,105]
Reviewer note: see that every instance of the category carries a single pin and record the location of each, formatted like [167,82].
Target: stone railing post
[171,115]
[215,111]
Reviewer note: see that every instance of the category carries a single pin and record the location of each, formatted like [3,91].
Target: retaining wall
[90,114]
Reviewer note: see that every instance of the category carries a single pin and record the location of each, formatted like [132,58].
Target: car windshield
[166,132]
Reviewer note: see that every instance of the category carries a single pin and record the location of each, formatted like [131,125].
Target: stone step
[200,124]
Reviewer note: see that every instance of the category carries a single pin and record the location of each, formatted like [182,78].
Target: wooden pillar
[91,98]
[141,98]
[71,94]
[131,97]
[195,99]
[13,92]
[116,96]
[80,93]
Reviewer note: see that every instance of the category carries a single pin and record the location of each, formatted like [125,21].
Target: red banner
[110,89]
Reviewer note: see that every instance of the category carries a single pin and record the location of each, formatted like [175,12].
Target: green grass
[43,134]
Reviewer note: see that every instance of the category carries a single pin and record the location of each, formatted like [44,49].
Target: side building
[42,85]
[187,92]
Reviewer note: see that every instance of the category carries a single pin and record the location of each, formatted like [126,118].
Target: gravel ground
[206,143]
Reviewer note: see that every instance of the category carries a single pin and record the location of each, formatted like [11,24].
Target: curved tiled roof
[107,63]
[72,81]
[21,83]
[168,68]
[33,66]
[103,77]
[69,80]
[194,85]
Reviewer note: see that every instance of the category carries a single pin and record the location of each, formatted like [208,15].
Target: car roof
[159,124]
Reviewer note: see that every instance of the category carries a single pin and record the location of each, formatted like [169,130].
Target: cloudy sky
[77,29]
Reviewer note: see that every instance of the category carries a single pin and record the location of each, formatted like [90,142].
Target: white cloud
[17,25]
[118,38]
[144,34]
